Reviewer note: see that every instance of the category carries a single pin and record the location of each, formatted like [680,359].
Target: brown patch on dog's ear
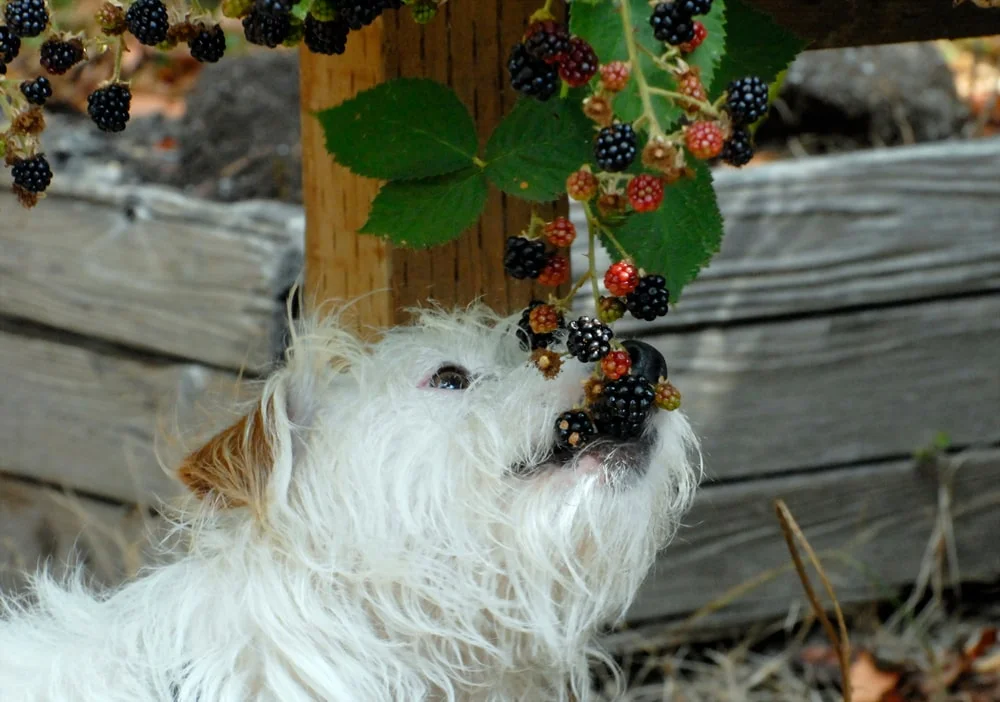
[234,465]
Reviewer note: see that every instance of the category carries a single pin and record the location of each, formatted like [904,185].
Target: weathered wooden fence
[853,313]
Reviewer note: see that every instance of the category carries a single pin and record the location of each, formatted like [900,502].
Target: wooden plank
[90,420]
[879,519]
[43,526]
[152,268]
[832,232]
[841,389]
[832,23]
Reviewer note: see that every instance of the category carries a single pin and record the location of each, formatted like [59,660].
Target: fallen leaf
[868,683]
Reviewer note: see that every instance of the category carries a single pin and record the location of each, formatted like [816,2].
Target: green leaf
[755,45]
[404,128]
[678,239]
[301,9]
[601,25]
[535,148]
[423,213]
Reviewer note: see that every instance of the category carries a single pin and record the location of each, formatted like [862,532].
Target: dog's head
[420,470]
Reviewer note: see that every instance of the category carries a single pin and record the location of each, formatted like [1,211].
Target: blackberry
[530,76]
[10,45]
[672,23]
[547,41]
[738,148]
[580,63]
[574,430]
[147,21]
[26,18]
[746,99]
[274,7]
[58,56]
[266,30]
[530,341]
[524,258]
[32,174]
[614,147]
[650,299]
[695,7]
[589,340]
[37,91]
[623,406]
[391,4]
[209,45]
[109,107]
[358,13]
[326,37]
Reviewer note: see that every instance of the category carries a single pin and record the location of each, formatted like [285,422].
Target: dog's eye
[450,378]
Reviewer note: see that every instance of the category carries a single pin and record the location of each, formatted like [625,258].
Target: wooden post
[466,47]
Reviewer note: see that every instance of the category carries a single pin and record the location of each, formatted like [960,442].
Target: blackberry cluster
[672,23]
[37,91]
[109,107]
[547,41]
[208,45]
[624,406]
[531,341]
[26,18]
[696,7]
[589,340]
[650,299]
[58,56]
[147,21]
[615,147]
[531,76]
[580,64]
[359,13]
[738,148]
[524,258]
[10,45]
[327,38]
[746,99]
[32,174]
[266,30]
[574,430]
[275,7]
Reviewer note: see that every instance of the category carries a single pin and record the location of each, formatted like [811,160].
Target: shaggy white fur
[366,536]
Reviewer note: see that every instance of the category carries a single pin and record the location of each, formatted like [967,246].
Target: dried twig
[841,642]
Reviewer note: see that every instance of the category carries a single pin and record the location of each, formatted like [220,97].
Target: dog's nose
[646,360]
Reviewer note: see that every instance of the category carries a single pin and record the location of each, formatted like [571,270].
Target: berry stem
[568,300]
[705,107]
[479,162]
[638,76]
[594,223]
[119,52]
[592,258]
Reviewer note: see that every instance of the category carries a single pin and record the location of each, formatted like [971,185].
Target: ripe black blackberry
[209,45]
[524,258]
[574,430]
[614,147]
[147,21]
[623,406]
[547,41]
[32,174]
[274,7]
[10,45]
[26,18]
[326,37]
[738,148]
[650,299]
[531,341]
[58,56]
[746,99]
[530,76]
[695,7]
[359,13]
[266,30]
[109,107]
[37,91]
[672,23]
[589,340]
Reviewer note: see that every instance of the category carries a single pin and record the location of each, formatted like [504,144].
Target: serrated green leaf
[301,9]
[601,25]
[535,148]
[755,45]
[401,129]
[678,239]
[423,213]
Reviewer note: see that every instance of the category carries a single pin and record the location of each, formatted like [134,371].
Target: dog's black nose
[647,362]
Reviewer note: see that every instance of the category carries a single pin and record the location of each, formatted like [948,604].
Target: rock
[879,95]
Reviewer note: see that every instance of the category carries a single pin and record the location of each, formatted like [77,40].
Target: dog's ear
[234,466]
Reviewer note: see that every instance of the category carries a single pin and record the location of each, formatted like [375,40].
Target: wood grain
[832,23]
[841,389]
[152,268]
[872,228]
[94,421]
[878,519]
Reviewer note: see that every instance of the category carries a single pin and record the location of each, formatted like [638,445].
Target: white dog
[388,522]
